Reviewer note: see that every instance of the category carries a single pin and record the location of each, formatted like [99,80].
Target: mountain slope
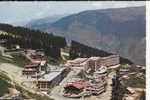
[38,23]
[119,30]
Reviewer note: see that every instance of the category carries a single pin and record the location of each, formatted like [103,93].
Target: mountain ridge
[117,30]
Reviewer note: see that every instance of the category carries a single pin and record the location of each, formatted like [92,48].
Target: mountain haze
[118,30]
[38,23]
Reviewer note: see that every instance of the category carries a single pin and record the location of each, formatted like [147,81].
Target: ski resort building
[31,69]
[94,62]
[34,68]
[78,62]
[81,88]
[110,60]
[53,78]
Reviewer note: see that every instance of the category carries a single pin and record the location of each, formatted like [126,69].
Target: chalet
[31,69]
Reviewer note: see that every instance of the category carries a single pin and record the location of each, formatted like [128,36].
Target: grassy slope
[5,82]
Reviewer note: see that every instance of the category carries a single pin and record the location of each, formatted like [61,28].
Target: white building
[78,62]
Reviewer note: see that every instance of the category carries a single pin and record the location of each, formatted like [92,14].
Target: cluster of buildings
[48,79]
[98,82]
[38,66]
[94,62]
[81,87]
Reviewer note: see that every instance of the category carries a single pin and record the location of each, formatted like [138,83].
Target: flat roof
[49,77]
[78,60]
[59,69]
[53,74]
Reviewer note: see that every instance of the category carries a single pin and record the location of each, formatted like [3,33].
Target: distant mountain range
[118,30]
[43,22]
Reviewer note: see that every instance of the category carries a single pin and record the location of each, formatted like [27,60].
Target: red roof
[33,64]
[78,85]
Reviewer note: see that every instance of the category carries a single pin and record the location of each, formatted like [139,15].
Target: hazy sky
[11,12]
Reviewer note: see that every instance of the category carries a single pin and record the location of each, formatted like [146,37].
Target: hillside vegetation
[118,30]
[27,38]
[34,39]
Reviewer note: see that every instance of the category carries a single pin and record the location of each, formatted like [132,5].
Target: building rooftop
[49,77]
[33,64]
[59,69]
[79,60]
[78,85]
[53,74]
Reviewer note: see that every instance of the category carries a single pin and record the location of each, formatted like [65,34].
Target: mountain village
[78,79]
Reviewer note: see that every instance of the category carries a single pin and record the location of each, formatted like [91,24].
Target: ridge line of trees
[33,39]
[80,50]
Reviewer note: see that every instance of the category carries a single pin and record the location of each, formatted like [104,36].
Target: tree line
[33,39]
[81,50]
[50,43]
